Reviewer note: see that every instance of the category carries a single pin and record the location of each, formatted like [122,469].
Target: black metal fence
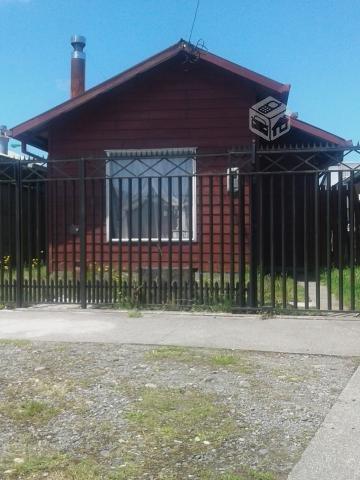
[271,228]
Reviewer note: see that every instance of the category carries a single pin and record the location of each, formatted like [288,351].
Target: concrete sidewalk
[334,452]
[312,335]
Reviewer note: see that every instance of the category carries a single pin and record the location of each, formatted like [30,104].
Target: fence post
[253,228]
[18,235]
[82,233]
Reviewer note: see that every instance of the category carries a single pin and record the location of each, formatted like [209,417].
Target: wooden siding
[204,108]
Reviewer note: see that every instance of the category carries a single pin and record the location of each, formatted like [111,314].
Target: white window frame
[151,153]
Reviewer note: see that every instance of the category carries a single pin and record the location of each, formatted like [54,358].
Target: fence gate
[247,229]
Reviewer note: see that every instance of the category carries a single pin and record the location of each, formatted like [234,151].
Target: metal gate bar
[253,234]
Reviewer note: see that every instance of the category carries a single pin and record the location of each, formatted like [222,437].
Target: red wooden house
[159,136]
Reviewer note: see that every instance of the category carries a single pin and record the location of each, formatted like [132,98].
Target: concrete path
[323,297]
[334,452]
[312,335]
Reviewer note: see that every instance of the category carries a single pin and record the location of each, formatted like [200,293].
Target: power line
[194,20]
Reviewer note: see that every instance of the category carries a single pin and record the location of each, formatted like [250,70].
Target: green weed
[134,314]
[14,343]
[223,360]
[30,411]
[234,360]
[346,280]
[56,467]
[185,422]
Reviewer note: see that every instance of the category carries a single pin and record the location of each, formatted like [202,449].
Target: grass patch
[58,466]
[214,299]
[174,414]
[223,360]
[335,280]
[53,390]
[81,471]
[54,467]
[167,353]
[32,465]
[222,305]
[292,376]
[278,285]
[183,422]
[248,475]
[32,411]
[254,475]
[234,360]
[42,397]
[225,304]
[14,343]
[134,314]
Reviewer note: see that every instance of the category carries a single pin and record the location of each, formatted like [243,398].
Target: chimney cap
[78,41]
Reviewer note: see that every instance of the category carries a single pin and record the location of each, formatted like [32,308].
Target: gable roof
[319,133]
[30,131]
[26,130]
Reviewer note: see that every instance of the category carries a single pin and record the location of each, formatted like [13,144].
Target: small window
[151,194]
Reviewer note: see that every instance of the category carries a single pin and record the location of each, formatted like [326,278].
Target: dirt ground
[86,411]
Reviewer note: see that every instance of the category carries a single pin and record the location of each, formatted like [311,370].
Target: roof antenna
[194,20]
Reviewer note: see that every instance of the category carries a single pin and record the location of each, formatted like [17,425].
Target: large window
[151,194]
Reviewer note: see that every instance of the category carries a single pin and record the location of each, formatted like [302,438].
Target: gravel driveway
[86,411]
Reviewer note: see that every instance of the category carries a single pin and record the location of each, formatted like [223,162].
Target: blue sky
[312,44]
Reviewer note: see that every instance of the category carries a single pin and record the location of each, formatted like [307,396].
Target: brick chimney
[77,65]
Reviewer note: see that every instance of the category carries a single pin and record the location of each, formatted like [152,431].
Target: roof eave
[282,89]
[318,132]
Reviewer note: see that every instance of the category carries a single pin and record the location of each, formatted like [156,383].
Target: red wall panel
[200,106]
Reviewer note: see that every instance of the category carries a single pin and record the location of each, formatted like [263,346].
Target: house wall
[170,107]
[175,106]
